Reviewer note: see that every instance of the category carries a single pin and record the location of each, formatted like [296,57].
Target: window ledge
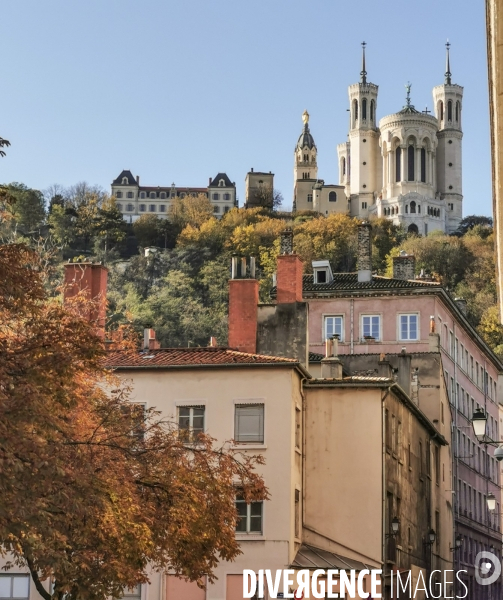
[238,446]
[250,537]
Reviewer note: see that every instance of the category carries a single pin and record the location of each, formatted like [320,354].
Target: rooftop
[190,357]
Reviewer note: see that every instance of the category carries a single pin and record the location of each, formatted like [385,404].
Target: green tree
[3,144]
[28,207]
[147,230]
[471,221]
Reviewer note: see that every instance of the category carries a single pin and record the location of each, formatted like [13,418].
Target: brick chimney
[289,271]
[90,280]
[404,266]
[243,301]
[364,263]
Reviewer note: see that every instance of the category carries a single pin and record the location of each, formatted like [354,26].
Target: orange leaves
[95,489]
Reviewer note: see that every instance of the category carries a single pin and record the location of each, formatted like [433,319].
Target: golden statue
[305,117]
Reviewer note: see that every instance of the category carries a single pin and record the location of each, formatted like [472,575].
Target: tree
[28,207]
[3,144]
[471,221]
[95,492]
[190,210]
[268,197]
[146,230]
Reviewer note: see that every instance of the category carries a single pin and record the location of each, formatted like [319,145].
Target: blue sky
[177,91]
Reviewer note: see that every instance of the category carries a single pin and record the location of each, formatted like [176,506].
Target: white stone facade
[134,200]
[406,167]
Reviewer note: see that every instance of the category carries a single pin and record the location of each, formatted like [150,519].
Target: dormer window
[153,194]
[221,183]
[125,181]
[322,272]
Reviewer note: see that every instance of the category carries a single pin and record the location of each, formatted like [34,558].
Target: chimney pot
[138,179]
[286,241]
[213,342]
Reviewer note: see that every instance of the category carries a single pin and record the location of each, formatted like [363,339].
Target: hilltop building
[134,200]
[405,167]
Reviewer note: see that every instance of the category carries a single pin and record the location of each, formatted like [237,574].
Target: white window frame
[248,404]
[13,576]
[191,417]
[248,518]
[324,326]
[362,328]
[399,325]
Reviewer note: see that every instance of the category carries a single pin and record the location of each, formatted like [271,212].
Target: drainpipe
[352,323]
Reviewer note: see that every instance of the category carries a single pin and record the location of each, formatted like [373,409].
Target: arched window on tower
[364,109]
[343,165]
[398,164]
[441,110]
[410,162]
[423,165]
[458,111]
[372,110]
[355,110]
[449,110]
[412,207]
[306,157]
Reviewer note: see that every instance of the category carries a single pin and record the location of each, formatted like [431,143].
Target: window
[130,194]
[162,195]
[119,206]
[449,110]
[332,197]
[130,207]
[420,458]
[387,429]
[309,197]
[152,207]
[411,154]
[125,181]
[458,111]
[364,205]
[153,195]
[298,428]
[355,110]
[412,207]
[423,165]
[215,196]
[371,326]
[133,593]
[408,327]
[227,196]
[143,195]
[216,209]
[190,421]
[334,326]
[437,465]
[364,109]
[297,513]
[221,183]
[398,161]
[372,109]
[321,276]
[162,208]
[14,586]
[249,516]
[143,207]
[118,195]
[249,423]
[441,111]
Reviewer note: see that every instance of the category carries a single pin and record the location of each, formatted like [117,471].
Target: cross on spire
[363,72]
[447,64]
[426,111]
[407,87]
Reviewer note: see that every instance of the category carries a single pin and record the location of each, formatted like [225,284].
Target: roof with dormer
[227,182]
[130,178]
[306,139]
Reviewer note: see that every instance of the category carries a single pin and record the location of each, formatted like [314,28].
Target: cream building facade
[406,167]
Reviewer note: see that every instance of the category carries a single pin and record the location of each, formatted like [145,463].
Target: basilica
[405,167]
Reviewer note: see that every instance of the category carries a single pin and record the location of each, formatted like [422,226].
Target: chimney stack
[138,179]
[331,365]
[90,280]
[364,263]
[289,273]
[243,302]
[149,341]
[404,266]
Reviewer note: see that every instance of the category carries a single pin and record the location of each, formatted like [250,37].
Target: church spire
[363,72]
[447,64]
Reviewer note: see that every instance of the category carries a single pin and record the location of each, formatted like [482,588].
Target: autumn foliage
[93,488]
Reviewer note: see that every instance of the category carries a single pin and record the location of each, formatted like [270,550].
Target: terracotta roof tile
[176,357]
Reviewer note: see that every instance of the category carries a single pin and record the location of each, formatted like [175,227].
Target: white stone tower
[305,170]
[448,102]
[364,158]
